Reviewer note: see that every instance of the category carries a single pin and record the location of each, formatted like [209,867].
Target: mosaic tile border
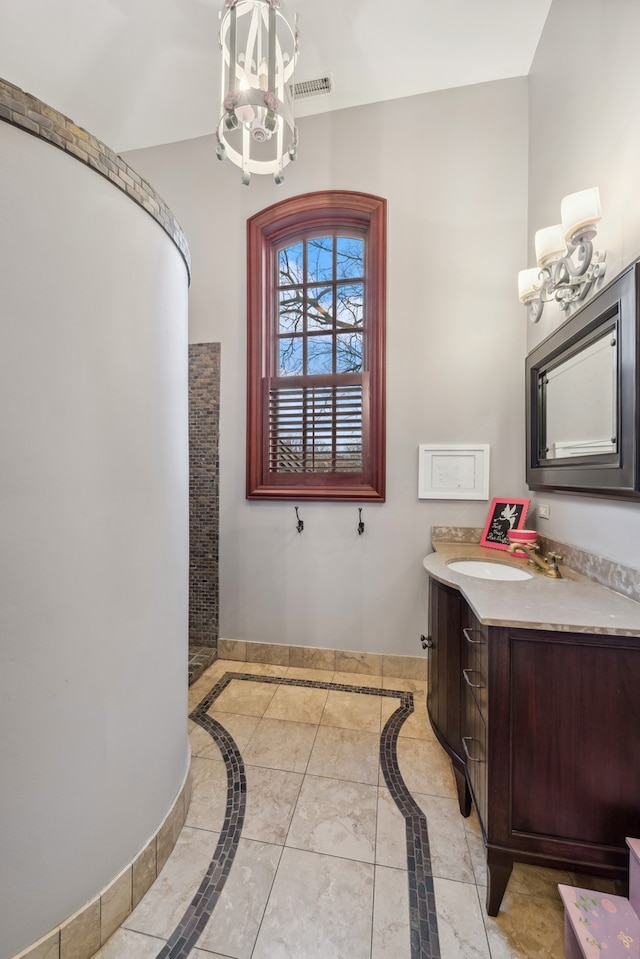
[198,913]
[423,923]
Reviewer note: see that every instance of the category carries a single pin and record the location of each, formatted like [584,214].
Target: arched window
[316,268]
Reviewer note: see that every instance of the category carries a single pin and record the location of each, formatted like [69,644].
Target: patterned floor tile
[391,903]
[352,711]
[335,817]
[298,793]
[351,754]
[133,945]
[234,925]
[271,798]
[280,744]
[164,905]
[320,907]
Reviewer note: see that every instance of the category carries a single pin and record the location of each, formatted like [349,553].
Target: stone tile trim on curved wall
[84,933]
[33,116]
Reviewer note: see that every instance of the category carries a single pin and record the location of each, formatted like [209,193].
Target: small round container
[522,536]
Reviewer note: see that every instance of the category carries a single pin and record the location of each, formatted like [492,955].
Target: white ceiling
[136,73]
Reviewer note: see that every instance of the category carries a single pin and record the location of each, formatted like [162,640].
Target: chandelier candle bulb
[550,245]
[528,284]
[579,213]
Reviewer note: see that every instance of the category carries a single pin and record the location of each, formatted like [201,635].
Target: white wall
[93,534]
[584,132]
[453,166]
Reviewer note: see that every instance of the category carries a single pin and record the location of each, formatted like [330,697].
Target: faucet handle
[553,569]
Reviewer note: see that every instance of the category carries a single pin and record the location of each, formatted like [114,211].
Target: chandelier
[259,50]
[568,265]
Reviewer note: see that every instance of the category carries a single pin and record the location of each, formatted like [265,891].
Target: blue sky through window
[321,310]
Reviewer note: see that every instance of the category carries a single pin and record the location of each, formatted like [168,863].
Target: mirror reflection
[579,399]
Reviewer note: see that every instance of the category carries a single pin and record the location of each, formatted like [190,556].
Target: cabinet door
[575,730]
[443,688]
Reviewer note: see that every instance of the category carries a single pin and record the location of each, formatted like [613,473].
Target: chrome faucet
[548,566]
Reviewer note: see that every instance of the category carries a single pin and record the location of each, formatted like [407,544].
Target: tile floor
[200,658]
[305,804]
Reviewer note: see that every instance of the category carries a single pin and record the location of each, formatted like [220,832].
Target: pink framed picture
[504,514]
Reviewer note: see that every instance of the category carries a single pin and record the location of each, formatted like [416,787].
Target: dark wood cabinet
[446,608]
[549,739]
[474,708]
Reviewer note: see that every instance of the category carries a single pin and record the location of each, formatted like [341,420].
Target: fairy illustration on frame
[504,515]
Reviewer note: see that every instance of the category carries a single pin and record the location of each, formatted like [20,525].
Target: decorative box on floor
[597,924]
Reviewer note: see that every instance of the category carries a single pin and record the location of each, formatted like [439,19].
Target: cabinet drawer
[476,686]
[474,745]
[475,665]
[476,637]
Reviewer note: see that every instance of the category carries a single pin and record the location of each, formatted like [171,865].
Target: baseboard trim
[86,931]
[337,660]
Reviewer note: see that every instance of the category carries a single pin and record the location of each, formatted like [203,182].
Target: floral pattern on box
[604,925]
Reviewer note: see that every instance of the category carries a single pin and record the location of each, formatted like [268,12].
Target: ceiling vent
[312,88]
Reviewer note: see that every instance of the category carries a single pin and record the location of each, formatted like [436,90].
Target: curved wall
[93,533]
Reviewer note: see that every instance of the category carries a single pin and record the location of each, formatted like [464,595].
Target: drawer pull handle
[467,635]
[472,759]
[465,673]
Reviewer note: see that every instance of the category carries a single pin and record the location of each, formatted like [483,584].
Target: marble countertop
[573,603]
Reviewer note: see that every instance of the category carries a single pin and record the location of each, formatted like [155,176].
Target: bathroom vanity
[534,692]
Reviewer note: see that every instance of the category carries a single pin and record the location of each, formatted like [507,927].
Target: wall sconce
[259,50]
[568,265]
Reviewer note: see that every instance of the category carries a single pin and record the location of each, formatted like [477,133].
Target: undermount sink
[482,569]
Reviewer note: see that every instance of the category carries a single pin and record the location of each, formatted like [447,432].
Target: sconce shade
[259,46]
[550,245]
[579,212]
[529,284]
[566,271]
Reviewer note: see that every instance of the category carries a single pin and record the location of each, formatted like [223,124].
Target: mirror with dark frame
[583,398]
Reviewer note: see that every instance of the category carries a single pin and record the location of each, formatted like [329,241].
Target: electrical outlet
[543,510]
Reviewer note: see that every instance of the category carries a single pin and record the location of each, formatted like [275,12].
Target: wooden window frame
[293,219]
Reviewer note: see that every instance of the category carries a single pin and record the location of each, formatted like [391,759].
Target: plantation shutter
[316,424]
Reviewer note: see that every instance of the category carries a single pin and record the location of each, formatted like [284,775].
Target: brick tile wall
[204,410]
